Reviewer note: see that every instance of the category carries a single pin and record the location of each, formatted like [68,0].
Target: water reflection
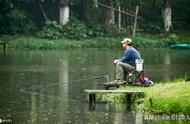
[50,95]
[63,90]
[167,63]
[164,64]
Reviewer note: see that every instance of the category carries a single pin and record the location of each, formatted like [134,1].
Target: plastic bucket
[139,64]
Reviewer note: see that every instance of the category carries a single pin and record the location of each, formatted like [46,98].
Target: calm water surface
[47,87]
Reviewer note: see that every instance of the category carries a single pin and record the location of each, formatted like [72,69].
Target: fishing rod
[97,77]
[107,77]
[78,81]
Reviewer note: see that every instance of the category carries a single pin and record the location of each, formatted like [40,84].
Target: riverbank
[171,97]
[20,42]
[142,41]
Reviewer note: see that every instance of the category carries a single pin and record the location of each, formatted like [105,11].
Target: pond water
[47,86]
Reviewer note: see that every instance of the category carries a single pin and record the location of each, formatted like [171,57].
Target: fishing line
[35,93]
[46,95]
[107,77]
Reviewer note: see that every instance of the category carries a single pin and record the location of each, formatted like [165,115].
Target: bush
[140,41]
[98,30]
[170,39]
[51,30]
[152,28]
[75,29]
[173,38]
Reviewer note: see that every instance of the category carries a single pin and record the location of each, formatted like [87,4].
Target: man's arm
[125,57]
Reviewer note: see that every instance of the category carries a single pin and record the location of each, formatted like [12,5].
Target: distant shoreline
[141,41]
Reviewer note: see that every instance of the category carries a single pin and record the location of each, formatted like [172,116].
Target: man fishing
[127,63]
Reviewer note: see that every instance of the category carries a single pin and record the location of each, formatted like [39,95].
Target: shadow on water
[48,86]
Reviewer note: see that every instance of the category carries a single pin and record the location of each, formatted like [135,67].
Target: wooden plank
[112,83]
[112,91]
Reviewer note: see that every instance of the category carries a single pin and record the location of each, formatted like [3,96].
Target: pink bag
[145,80]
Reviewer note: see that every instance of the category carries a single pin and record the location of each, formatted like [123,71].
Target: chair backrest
[139,64]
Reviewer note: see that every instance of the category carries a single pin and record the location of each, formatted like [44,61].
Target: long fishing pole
[107,77]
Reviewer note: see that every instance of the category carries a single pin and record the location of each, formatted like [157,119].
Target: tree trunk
[64,12]
[167,15]
[43,11]
[119,18]
[109,14]
[135,20]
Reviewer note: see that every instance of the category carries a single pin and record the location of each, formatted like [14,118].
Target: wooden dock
[117,85]
[129,93]
[107,85]
[132,80]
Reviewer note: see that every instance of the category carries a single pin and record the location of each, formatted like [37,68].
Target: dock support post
[92,101]
[92,98]
[106,88]
[129,101]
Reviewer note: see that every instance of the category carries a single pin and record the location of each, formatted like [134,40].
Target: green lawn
[161,98]
[170,97]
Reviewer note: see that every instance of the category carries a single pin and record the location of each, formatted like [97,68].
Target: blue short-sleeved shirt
[130,55]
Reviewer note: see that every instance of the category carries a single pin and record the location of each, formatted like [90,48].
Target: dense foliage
[87,17]
[74,29]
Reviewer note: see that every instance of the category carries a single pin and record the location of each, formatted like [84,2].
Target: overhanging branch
[123,12]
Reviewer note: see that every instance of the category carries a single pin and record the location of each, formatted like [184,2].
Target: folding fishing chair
[134,76]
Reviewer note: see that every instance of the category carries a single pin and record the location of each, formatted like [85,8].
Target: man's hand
[116,61]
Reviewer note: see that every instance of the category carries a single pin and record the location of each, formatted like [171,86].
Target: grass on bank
[100,42]
[163,98]
[140,40]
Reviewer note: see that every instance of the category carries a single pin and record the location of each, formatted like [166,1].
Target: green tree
[15,17]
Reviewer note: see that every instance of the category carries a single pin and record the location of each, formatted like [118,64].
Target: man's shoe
[118,82]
